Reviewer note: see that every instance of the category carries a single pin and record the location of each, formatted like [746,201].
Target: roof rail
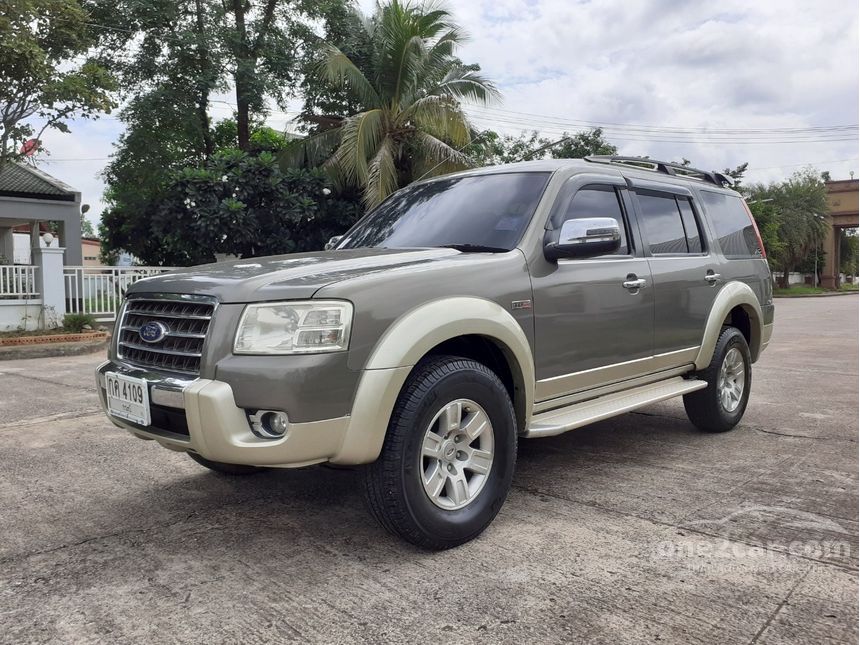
[665,167]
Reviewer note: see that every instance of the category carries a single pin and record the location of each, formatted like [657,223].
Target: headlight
[296,327]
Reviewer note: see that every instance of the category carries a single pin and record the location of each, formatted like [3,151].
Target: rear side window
[733,225]
[593,201]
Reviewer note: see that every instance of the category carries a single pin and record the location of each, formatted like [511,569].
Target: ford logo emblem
[153,331]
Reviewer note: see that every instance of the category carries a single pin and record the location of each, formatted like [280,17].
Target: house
[28,195]
[33,295]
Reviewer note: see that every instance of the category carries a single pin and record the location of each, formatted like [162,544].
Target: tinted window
[734,228]
[662,223]
[485,210]
[593,201]
[691,226]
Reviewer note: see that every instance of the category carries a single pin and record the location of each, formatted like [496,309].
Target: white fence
[99,290]
[18,282]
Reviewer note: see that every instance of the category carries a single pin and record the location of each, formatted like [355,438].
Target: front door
[594,317]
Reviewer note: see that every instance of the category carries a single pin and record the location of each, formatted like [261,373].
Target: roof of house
[21,180]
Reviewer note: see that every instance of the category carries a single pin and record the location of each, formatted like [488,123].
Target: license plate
[128,398]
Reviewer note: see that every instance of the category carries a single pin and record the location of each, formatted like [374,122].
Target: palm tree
[412,124]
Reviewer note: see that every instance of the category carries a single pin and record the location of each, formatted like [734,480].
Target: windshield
[483,212]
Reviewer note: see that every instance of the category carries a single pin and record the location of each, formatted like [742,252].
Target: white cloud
[733,64]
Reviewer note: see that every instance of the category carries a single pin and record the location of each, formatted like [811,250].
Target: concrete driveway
[636,529]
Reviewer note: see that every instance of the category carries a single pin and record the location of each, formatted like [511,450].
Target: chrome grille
[187,320]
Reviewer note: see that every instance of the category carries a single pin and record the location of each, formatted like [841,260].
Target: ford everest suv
[462,314]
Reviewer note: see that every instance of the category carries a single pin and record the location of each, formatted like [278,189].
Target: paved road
[635,529]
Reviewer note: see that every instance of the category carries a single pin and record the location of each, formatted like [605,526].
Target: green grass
[850,287]
[799,290]
[806,290]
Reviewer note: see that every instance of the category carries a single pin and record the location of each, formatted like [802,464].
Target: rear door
[587,322]
[684,269]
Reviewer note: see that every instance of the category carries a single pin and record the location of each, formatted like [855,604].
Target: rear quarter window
[735,232]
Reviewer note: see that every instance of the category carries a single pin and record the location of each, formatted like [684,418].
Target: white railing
[18,282]
[99,290]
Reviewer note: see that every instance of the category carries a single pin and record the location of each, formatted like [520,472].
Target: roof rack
[666,167]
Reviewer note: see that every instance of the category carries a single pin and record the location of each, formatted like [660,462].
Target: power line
[579,123]
[624,137]
[803,163]
[668,137]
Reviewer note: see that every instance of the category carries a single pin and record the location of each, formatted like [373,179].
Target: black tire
[226,469]
[704,407]
[393,486]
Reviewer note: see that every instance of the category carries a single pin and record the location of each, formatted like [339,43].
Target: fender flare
[732,295]
[409,339]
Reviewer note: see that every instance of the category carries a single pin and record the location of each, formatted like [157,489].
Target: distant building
[90,250]
[842,205]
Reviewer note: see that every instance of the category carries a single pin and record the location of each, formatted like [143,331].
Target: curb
[50,349]
[818,295]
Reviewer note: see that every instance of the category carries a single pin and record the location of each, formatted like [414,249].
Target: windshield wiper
[474,248]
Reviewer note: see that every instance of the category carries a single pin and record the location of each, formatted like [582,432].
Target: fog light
[276,423]
[270,424]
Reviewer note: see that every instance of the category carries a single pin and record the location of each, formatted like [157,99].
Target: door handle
[712,277]
[633,284]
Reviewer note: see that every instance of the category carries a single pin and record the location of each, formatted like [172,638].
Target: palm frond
[362,134]
[463,83]
[381,175]
[310,151]
[440,116]
[337,68]
[436,157]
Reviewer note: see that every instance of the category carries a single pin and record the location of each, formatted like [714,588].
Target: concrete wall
[18,315]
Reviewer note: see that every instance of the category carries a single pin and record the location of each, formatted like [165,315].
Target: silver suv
[462,314]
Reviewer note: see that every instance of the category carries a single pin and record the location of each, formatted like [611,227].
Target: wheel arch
[431,328]
[735,304]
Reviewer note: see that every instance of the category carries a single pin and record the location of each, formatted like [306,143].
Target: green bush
[75,323]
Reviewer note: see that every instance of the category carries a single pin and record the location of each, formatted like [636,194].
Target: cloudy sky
[719,83]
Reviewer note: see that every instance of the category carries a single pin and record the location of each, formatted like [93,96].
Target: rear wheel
[720,406]
[448,459]
[226,469]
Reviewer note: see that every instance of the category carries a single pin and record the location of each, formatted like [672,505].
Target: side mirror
[582,238]
[332,242]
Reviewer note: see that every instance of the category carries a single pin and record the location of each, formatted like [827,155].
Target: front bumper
[201,415]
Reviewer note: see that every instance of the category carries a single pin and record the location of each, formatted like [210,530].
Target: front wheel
[448,459]
[720,406]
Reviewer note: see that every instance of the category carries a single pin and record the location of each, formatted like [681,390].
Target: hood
[286,277]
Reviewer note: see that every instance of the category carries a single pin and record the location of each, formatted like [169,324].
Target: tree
[489,148]
[87,229]
[411,124]
[325,104]
[767,220]
[171,57]
[792,213]
[45,77]
[243,205]
[253,48]
[583,144]
[737,174]
[849,252]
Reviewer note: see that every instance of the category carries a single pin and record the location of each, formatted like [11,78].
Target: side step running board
[553,422]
